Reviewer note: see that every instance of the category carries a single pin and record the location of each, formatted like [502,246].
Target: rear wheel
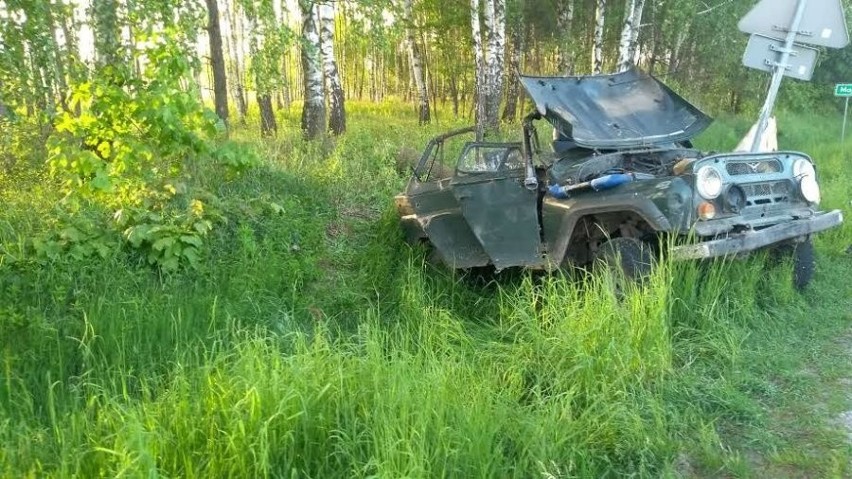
[628,257]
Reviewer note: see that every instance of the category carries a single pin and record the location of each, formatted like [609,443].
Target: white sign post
[844,90]
[815,22]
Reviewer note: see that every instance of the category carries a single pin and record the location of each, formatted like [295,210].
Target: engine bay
[655,163]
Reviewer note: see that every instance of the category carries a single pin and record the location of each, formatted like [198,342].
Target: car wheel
[804,262]
[628,256]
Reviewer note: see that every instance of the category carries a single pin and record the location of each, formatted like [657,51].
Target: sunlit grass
[313,343]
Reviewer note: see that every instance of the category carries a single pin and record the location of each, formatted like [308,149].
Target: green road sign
[843,89]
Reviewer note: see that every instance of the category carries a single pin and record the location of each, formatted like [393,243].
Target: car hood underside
[622,110]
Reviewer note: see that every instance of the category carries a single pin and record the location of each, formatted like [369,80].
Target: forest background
[202,273]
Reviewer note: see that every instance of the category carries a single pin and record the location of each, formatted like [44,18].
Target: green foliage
[270,40]
[136,146]
[311,342]
[167,240]
[80,240]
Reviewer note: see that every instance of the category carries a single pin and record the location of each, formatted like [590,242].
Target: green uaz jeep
[621,177]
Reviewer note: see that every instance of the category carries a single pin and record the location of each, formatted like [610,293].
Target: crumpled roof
[621,110]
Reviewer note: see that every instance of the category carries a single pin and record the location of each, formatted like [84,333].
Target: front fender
[665,204]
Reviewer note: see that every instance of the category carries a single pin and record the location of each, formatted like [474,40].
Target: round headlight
[708,181]
[804,171]
[802,168]
[810,189]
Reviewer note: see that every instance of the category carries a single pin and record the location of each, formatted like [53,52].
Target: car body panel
[628,171]
[503,216]
[622,110]
[438,215]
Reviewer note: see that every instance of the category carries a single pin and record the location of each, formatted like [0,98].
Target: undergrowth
[311,342]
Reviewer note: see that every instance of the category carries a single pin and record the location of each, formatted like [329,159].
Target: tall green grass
[313,343]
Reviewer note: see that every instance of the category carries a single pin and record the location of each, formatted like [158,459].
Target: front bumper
[752,240]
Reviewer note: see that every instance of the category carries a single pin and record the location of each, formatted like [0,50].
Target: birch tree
[217,60]
[479,65]
[513,87]
[637,28]
[490,63]
[313,111]
[266,44]
[107,35]
[629,33]
[564,23]
[496,63]
[235,50]
[600,20]
[626,32]
[424,111]
[336,100]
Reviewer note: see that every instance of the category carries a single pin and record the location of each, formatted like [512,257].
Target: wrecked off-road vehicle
[622,179]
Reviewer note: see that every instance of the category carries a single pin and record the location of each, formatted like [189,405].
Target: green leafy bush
[136,146]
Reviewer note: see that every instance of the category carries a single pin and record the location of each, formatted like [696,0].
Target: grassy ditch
[311,342]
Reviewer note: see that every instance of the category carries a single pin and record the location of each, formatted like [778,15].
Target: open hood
[622,110]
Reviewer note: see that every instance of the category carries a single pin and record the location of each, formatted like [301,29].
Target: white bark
[624,58]
[496,61]
[234,49]
[637,28]
[336,101]
[313,112]
[600,19]
[674,57]
[564,23]
[479,62]
[416,65]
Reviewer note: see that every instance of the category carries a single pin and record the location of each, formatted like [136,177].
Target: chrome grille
[767,193]
[736,168]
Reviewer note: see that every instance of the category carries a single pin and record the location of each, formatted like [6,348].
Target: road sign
[823,22]
[843,89]
[762,54]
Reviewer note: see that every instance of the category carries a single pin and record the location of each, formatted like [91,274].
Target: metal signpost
[844,90]
[814,22]
[762,49]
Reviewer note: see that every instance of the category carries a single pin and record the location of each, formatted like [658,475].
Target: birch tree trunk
[513,87]
[268,124]
[217,60]
[496,64]
[600,20]
[416,65]
[107,44]
[236,61]
[564,23]
[336,100]
[58,60]
[674,57]
[637,28]
[479,64]
[624,58]
[263,90]
[313,112]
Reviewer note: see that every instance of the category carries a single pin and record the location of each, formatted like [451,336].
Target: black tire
[804,262]
[629,256]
